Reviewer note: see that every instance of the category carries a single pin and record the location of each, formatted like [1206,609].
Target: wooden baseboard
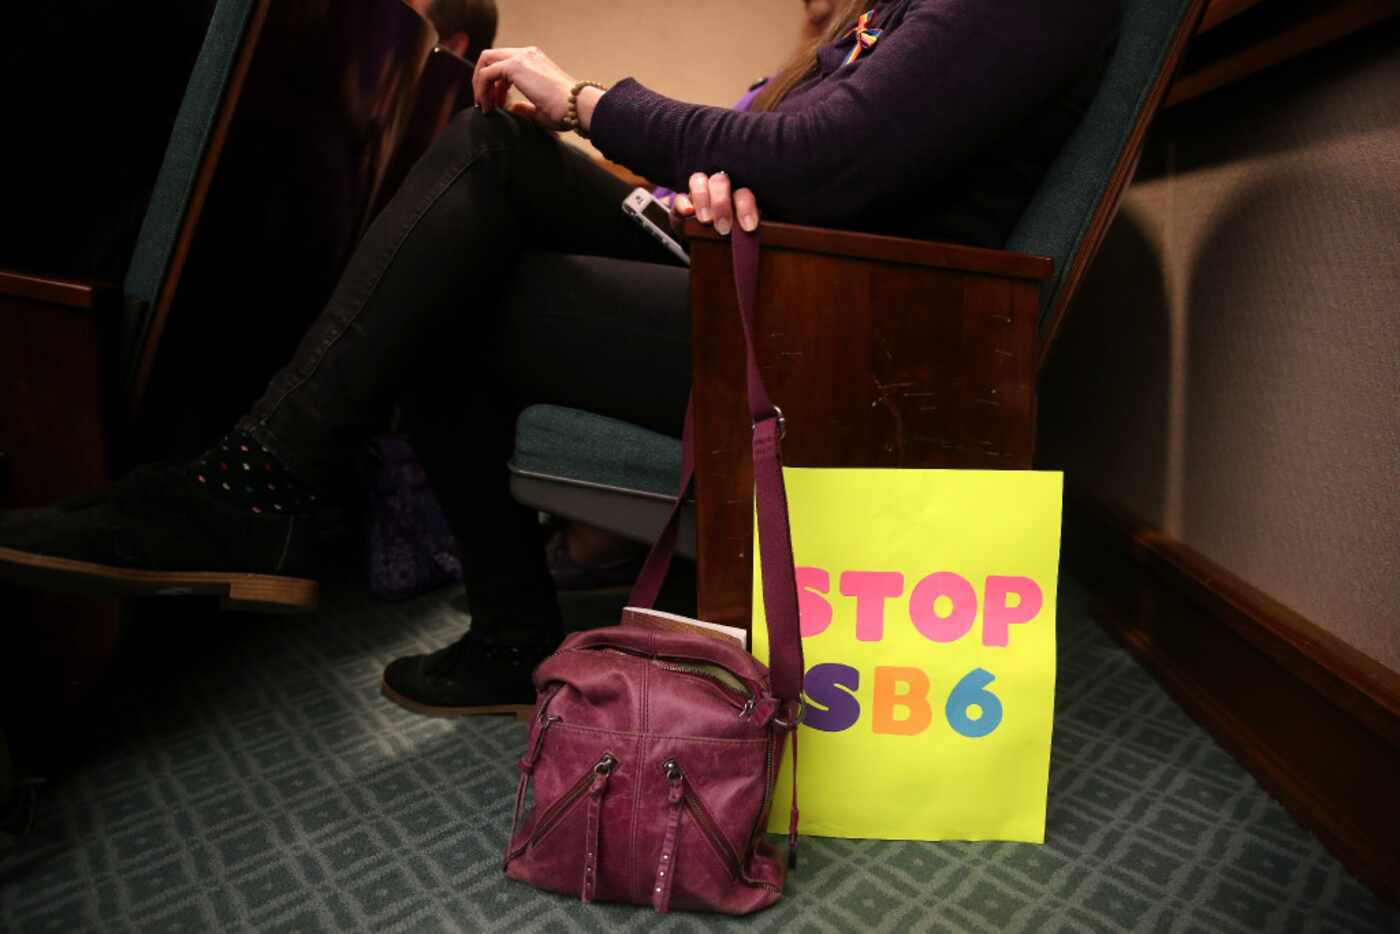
[1316,721]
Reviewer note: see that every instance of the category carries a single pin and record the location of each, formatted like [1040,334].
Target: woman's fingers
[485,80]
[529,71]
[681,208]
[700,197]
[746,207]
[712,201]
[483,61]
[721,203]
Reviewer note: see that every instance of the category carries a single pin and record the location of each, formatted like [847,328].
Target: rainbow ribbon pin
[866,35]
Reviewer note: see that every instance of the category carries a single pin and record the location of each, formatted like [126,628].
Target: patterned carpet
[262,784]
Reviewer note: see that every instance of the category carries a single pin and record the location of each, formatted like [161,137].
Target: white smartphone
[655,220]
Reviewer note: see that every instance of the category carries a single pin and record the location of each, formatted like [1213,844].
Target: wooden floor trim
[1312,718]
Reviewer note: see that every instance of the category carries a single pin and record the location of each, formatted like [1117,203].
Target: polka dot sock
[244,472]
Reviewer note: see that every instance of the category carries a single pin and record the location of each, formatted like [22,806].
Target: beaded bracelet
[571,119]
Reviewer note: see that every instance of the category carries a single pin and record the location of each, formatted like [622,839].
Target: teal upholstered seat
[577,464]
[598,451]
[583,447]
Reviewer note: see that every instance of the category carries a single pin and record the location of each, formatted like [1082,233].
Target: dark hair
[476,18]
[803,64]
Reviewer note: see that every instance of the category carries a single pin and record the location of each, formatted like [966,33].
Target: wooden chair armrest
[849,243]
[56,290]
[881,351]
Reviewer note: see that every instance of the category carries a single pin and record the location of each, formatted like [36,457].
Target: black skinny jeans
[502,274]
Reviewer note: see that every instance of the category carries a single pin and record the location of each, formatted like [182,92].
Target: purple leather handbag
[654,747]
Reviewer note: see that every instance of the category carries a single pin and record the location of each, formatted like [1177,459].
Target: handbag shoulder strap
[774,536]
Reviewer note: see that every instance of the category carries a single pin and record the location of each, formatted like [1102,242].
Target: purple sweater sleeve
[944,83]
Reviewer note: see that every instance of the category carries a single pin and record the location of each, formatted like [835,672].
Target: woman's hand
[545,85]
[711,202]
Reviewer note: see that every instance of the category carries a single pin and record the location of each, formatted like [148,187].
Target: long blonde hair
[803,63]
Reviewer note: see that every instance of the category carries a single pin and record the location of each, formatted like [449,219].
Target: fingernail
[722,225]
[703,215]
[748,222]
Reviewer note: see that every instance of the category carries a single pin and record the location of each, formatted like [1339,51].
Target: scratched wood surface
[914,363]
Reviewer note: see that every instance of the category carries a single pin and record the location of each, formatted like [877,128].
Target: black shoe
[14,518]
[158,532]
[471,676]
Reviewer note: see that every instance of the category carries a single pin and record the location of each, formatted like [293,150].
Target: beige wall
[706,52]
[1233,370]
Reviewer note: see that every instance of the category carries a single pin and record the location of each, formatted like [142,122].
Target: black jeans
[503,274]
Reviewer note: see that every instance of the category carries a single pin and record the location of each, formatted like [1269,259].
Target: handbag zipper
[729,683]
[561,807]
[770,781]
[676,776]
[720,677]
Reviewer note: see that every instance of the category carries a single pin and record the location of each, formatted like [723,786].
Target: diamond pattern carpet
[261,783]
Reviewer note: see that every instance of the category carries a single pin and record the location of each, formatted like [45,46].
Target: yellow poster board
[927,600]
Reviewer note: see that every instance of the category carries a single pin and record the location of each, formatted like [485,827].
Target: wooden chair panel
[55,342]
[906,362]
[54,424]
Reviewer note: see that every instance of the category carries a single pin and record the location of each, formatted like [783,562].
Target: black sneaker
[157,532]
[470,677]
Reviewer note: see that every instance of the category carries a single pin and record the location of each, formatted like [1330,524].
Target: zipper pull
[601,771]
[748,709]
[545,721]
[676,777]
[666,866]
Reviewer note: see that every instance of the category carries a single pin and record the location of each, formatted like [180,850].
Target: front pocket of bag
[698,863]
[562,848]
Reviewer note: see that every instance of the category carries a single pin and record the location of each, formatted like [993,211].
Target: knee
[473,128]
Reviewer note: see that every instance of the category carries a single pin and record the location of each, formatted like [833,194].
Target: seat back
[267,188]
[169,215]
[1070,212]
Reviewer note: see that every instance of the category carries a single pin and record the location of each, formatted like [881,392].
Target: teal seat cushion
[579,447]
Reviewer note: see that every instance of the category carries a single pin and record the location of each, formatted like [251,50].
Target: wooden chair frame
[882,352]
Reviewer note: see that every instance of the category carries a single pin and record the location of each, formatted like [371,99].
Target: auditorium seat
[1001,310]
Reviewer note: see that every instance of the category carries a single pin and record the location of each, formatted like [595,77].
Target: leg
[432,268]
[607,336]
[436,258]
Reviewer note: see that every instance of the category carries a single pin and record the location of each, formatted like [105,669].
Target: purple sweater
[956,110]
